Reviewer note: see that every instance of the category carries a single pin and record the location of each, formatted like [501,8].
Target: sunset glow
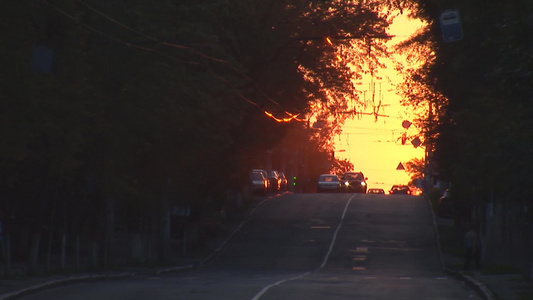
[372,141]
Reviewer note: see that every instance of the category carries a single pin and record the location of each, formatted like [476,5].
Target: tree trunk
[504,230]
[164,236]
[152,239]
[136,251]
[63,249]
[147,240]
[94,253]
[526,272]
[49,250]
[33,258]
[6,254]
[526,243]
[504,221]
[109,231]
[77,251]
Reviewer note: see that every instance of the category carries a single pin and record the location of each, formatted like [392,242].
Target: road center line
[265,289]
[335,234]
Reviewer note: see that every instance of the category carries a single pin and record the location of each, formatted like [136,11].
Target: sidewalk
[491,286]
[500,286]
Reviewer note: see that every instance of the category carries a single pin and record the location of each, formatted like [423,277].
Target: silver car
[265,174]
[329,183]
[258,183]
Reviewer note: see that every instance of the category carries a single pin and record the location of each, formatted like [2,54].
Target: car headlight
[363,183]
[346,183]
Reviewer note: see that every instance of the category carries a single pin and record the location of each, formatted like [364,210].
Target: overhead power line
[290,117]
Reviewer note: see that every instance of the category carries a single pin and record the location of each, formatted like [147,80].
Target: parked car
[284,181]
[445,206]
[275,181]
[265,174]
[328,183]
[400,190]
[376,191]
[258,182]
[354,182]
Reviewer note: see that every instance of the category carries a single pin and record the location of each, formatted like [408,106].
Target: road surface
[309,247]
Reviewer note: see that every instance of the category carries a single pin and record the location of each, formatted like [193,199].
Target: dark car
[400,190]
[328,183]
[275,181]
[445,206]
[354,182]
[284,181]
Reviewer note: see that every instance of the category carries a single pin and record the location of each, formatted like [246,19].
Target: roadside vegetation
[126,125]
[478,129]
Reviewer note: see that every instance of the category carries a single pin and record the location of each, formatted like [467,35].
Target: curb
[478,286]
[60,282]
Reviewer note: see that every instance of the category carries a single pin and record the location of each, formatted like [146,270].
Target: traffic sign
[450,25]
[416,142]
[400,167]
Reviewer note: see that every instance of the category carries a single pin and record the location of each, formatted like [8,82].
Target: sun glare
[373,141]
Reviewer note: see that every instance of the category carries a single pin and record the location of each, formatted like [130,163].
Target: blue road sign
[450,25]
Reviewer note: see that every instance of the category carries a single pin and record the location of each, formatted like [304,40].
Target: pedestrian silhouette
[472,248]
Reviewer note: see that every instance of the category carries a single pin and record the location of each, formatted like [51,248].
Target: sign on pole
[450,25]
[416,142]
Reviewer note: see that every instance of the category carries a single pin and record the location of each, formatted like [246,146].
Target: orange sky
[373,146]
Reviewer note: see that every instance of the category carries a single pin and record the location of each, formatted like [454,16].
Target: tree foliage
[114,111]
[480,90]
[484,80]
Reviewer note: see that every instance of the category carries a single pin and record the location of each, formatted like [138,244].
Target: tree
[141,97]
[416,168]
[342,166]
[484,127]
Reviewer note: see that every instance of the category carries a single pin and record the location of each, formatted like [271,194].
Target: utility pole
[428,182]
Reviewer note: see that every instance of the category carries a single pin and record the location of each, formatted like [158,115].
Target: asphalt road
[309,247]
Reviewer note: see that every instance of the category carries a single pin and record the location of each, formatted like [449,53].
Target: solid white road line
[326,257]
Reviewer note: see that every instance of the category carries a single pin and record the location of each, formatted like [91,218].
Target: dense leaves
[486,79]
[114,111]
[480,128]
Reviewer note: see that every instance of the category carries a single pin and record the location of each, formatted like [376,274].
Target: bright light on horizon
[373,145]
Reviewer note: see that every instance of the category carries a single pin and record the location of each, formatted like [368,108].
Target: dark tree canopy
[480,90]
[138,104]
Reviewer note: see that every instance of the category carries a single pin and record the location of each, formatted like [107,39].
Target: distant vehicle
[354,182]
[445,206]
[284,181]
[328,183]
[275,181]
[259,183]
[265,174]
[376,191]
[400,190]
